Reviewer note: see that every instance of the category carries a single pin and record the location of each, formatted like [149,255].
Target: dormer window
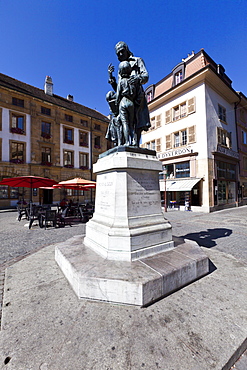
[149,93]
[178,74]
[178,77]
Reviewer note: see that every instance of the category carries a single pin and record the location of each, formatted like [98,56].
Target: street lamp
[164,173]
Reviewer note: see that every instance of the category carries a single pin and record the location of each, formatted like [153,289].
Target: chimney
[70,97]
[48,87]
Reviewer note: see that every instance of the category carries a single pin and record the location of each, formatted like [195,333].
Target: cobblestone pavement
[224,230]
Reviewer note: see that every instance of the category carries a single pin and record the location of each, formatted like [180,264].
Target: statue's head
[122,51]
[124,69]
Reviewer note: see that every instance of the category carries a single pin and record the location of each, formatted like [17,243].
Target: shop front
[181,192]
[225,184]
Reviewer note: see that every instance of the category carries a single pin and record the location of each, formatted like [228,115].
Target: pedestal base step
[139,283]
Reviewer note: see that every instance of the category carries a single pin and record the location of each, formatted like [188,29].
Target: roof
[21,87]
[193,65]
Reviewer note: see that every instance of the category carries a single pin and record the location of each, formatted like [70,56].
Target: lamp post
[164,173]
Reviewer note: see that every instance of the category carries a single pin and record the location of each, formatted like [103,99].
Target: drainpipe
[235,114]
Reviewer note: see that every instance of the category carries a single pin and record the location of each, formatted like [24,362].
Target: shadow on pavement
[207,238]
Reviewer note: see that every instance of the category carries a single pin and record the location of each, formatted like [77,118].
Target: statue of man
[138,76]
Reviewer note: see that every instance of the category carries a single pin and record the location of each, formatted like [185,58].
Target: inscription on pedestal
[143,193]
[105,192]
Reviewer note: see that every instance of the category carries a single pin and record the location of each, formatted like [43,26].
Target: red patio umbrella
[77,184]
[28,182]
[77,181]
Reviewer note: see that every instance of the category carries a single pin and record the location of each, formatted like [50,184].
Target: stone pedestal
[128,255]
[128,222]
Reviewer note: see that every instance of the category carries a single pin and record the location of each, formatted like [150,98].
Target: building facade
[241,121]
[43,134]
[193,130]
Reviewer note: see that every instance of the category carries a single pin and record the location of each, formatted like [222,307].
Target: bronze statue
[128,104]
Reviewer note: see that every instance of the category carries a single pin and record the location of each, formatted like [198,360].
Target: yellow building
[43,134]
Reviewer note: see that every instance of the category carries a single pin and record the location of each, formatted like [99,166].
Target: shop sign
[227,151]
[175,152]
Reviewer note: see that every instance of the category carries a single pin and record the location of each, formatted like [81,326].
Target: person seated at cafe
[63,203]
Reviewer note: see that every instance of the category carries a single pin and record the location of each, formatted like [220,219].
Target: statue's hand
[134,79]
[110,69]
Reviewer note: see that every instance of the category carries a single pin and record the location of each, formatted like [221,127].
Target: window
[153,145]
[224,137]
[97,127]
[68,118]
[17,124]
[155,122]
[242,115]
[180,111]
[148,146]
[68,136]
[46,156]
[46,111]
[17,152]
[178,77]
[68,159]
[176,139]
[83,138]
[245,163]
[18,102]
[226,170]
[244,137]
[97,142]
[180,137]
[182,169]
[184,137]
[222,113]
[149,96]
[83,159]
[0,119]
[84,123]
[3,191]
[46,130]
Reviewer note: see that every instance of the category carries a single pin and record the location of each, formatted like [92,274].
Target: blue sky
[73,40]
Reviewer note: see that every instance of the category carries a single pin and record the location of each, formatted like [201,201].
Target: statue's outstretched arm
[112,79]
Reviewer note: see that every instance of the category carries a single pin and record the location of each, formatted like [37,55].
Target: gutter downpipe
[235,114]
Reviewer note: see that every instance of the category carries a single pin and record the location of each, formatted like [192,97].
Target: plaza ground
[202,326]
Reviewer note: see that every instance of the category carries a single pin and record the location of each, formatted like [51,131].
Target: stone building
[193,129]
[46,135]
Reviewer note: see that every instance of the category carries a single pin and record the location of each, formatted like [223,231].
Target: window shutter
[192,134]
[152,123]
[191,105]
[219,135]
[158,145]
[158,121]
[168,141]
[168,116]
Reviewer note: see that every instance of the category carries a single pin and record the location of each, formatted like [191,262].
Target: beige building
[46,135]
[193,130]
